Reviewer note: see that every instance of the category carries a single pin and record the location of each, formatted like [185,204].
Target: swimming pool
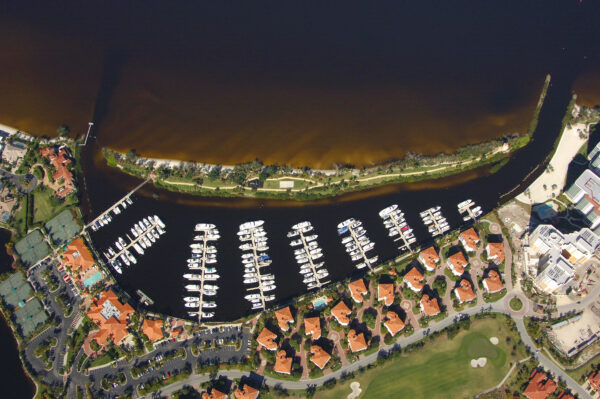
[93,279]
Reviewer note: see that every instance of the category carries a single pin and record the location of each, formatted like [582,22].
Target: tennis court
[15,289]
[62,228]
[30,316]
[32,248]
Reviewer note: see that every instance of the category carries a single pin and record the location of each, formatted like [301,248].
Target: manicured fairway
[441,369]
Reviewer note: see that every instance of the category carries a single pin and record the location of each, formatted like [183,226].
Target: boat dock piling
[132,242]
[126,199]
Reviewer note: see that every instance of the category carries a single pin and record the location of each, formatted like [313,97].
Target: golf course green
[442,369]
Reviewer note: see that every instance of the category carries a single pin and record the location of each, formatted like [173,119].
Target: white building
[557,255]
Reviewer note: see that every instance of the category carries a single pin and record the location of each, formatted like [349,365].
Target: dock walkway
[134,240]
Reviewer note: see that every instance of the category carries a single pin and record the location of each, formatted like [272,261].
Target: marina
[145,233]
[357,244]
[434,220]
[469,210]
[201,264]
[307,254]
[399,230]
[253,237]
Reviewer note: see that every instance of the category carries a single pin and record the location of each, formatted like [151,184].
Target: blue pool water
[93,279]
[319,303]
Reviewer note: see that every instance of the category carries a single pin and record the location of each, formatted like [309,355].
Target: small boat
[250,281]
[191,298]
[191,276]
[117,268]
[311,237]
[135,233]
[295,243]
[159,222]
[464,203]
[251,225]
[138,249]
[207,315]
[316,256]
[125,259]
[204,226]
[192,304]
[292,234]
[385,212]
[192,287]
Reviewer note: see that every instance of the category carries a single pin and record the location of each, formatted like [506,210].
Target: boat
[146,241]
[250,281]
[316,256]
[111,251]
[299,251]
[209,292]
[346,223]
[356,257]
[385,212]
[347,239]
[125,259]
[301,225]
[252,296]
[464,203]
[117,268]
[295,243]
[191,276]
[118,245]
[311,237]
[191,304]
[207,315]
[135,233]
[251,225]
[292,234]
[192,287]
[203,226]
[138,249]
[159,222]
[191,298]
[209,305]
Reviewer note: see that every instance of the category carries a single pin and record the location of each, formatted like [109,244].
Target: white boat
[210,261]
[315,251]
[213,237]
[251,225]
[211,277]
[356,257]
[316,256]
[209,305]
[250,281]
[150,236]
[301,261]
[146,222]
[125,259]
[117,268]
[207,315]
[345,223]
[209,292]
[311,237]
[301,225]
[374,259]
[305,271]
[299,251]
[118,245]
[191,298]
[252,296]
[247,256]
[295,243]
[111,251]
[368,247]
[138,249]
[308,280]
[464,203]
[210,270]
[269,298]
[204,226]
[191,276]
[292,234]
[131,257]
[129,201]
[246,246]
[361,265]
[386,211]
[192,304]
[192,287]
[135,233]
[211,287]
[146,241]
[268,288]
[257,306]
[347,239]
[159,222]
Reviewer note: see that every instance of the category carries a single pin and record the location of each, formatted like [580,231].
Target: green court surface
[32,248]
[15,289]
[30,316]
[442,369]
[62,228]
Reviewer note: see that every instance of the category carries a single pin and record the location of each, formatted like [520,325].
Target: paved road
[19,180]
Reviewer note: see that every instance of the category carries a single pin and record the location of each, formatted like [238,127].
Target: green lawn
[44,209]
[442,369]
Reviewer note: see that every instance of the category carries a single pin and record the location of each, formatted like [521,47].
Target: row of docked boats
[145,233]
[106,218]
[308,254]
[398,229]
[434,220]
[201,264]
[469,210]
[357,243]
[255,258]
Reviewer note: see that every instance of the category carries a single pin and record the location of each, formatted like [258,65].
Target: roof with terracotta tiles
[284,318]
[341,312]
[394,323]
[312,327]
[429,258]
[319,356]
[414,278]
[214,394]
[111,316]
[283,363]
[153,329]
[565,395]
[493,283]
[356,342]
[385,292]
[59,158]
[495,251]
[429,305]
[357,289]
[464,291]
[540,386]
[469,238]
[594,380]
[267,339]
[458,262]
[78,256]
[246,392]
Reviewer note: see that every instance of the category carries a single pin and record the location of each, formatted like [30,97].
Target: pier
[132,241]
[467,208]
[117,203]
[313,268]
[251,230]
[359,245]
[438,222]
[401,236]
[205,240]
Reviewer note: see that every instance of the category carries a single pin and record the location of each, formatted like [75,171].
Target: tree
[63,130]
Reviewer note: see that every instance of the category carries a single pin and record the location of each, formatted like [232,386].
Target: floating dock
[393,220]
[208,233]
[254,244]
[435,221]
[469,208]
[357,243]
[308,254]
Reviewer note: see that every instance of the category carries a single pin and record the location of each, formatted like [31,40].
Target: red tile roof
[430,258]
[267,339]
[464,291]
[284,318]
[153,329]
[312,327]
[495,252]
[283,363]
[357,290]
[540,386]
[469,239]
[214,394]
[341,313]
[394,324]
[385,292]
[493,283]
[246,392]
[319,356]
[111,316]
[356,342]
[414,279]
[565,395]
[594,380]
[78,256]
[60,159]
[429,306]
[457,263]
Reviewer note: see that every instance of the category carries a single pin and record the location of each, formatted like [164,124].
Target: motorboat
[203,226]
[252,296]
[347,239]
[125,259]
[301,225]
[191,298]
[299,251]
[251,225]
[191,276]
[209,305]
[192,304]
[135,233]
[295,243]
[346,223]
[207,315]
[316,256]
[192,287]
[138,249]
[250,281]
[464,203]
[311,237]
[356,257]
[131,257]
[292,234]
[385,212]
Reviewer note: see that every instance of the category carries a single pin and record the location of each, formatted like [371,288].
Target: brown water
[296,85]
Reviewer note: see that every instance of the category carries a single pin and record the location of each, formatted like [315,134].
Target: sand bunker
[494,340]
[481,362]
[356,391]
